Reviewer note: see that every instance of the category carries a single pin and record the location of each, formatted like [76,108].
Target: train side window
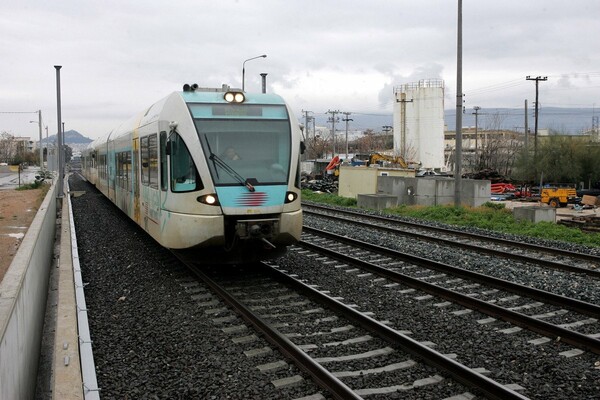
[124,169]
[102,166]
[145,165]
[184,174]
[153,158]
[149,149]
[163,161]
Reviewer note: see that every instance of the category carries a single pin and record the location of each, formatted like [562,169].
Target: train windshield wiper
[217,161]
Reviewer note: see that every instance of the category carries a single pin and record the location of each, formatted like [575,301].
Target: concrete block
[377,201]
[535,214]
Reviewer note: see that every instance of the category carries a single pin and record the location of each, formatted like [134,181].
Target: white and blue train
[213,173]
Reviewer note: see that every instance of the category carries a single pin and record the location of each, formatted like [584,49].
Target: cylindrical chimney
[264,82]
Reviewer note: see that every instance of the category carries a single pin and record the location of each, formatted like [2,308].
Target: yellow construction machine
[558,196]
[394,160]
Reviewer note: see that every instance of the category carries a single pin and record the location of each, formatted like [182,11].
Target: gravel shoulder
[17,211]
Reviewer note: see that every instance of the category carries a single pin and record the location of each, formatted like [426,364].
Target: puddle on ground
[16,235]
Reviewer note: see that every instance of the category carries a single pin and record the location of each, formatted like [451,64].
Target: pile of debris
[487,174]
[322,185]
[587,223]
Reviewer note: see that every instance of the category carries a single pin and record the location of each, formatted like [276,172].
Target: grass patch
[30,186]
[328,198]
[491,216]
[41,187]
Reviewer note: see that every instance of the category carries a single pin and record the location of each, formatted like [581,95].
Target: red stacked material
[499,188]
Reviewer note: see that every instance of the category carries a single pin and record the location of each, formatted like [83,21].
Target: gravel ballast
[151,339]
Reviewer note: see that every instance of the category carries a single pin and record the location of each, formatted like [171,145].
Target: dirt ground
[17,210]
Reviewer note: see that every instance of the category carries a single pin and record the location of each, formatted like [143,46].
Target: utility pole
[307,119]
[47,149]
[347,114]
[459,108]
[332,119]
[537,80]
[403,101]
[526,137]
[476,113]
[41,149]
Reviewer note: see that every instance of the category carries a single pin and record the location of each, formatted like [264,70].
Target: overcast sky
[120,56]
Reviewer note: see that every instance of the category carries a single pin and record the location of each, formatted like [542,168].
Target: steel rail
[507,242]
[571,337]
[459,372]
[322,376]
[579,306]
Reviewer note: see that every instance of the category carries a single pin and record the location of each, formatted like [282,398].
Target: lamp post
[476,113]
[347,120]
[60,135]
[39,122]
[244,69]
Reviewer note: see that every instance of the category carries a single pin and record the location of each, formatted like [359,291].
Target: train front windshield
[245,142]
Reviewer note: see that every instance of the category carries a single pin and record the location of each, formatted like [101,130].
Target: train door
[136,179]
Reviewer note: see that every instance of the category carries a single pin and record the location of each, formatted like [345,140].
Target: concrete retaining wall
[434,190]
[376,201]
[363,180]
[23,294]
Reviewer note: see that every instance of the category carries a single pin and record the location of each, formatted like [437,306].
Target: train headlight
[234,97]
[290,197]
[209,199]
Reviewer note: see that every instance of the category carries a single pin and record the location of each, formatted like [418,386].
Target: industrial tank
[419,123]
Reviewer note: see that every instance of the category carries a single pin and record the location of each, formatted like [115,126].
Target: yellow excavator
[395,160]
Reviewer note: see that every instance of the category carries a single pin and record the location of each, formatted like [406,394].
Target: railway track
[518,250]
[466,288]
[344,350]
[160,332]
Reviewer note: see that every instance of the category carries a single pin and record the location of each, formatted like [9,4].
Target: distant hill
[71,137]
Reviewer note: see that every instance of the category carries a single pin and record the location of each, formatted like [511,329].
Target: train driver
[230,154]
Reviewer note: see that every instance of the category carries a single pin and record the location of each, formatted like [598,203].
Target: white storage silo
[419,123]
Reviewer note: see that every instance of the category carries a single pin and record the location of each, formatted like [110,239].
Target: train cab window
[184,174]
[149,150]
[263,149]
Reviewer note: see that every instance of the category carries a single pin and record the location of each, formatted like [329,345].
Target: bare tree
[317,146]
[372,141]
[8,147]
[498,147]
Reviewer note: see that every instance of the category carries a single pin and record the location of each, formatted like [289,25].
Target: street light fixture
[244,69]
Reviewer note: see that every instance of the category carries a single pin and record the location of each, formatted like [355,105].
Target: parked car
[502,196]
